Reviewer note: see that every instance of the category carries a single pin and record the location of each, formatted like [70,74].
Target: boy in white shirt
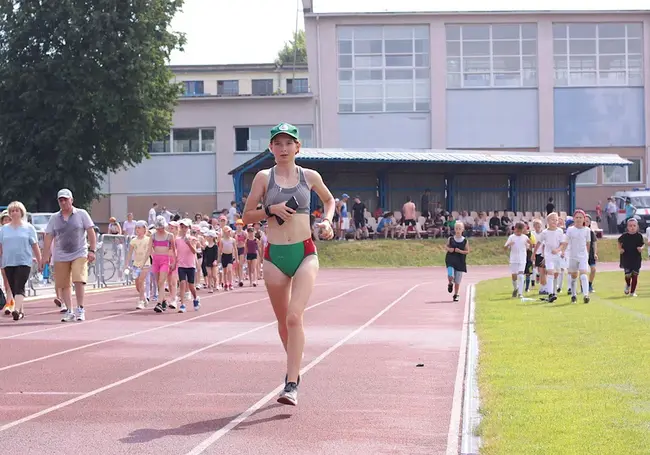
[518,245]
[552,238]
[577,244]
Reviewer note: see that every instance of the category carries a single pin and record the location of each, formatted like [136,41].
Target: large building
[222,120]
[547,81]
[553,82]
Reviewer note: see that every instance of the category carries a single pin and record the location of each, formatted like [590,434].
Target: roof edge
[474,13]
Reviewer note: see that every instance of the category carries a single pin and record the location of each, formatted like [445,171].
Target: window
[193,88]
[608,54]
[624,174]
[384,69]
[483,55]
[297,85]
[262,87]
[589,177]
[185,140]
[256,138]
[228,87]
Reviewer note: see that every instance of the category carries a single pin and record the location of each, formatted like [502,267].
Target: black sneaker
[17,315]
[455,297]
[289,395]
[586,299]
[286,378]
[574,299]
[158,308]
[164,305]
[450,288]
[552,298]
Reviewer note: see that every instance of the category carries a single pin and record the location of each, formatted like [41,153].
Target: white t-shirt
[577,239]
[152,216]
[518,246]
[552,240]
[540,242]
[232,213]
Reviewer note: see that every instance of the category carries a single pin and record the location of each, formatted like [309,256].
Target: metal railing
[107,269]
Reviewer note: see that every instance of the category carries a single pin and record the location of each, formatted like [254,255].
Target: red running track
[137,382]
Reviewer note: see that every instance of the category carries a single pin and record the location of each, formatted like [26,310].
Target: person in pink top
[186,260]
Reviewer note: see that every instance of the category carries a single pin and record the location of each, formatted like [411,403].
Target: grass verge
[424,253]
[564,378]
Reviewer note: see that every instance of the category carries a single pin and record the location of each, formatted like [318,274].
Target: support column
[512,192]
[646,99]
[449,192]
[546,86]
[437,54]
[238,183]
[382,189]
[572,193]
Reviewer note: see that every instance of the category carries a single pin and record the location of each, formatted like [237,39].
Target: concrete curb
[470,442]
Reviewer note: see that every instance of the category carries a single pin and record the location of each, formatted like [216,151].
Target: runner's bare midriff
[295,230]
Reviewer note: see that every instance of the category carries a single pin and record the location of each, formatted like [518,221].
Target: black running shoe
[450,288]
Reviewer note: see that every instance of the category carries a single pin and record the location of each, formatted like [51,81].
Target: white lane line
[43,393]
[59,326]
[250,411]
[128,335]
[453,436]
[62,325]
[92,393]
[91,291]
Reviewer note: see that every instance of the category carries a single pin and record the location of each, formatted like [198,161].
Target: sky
[253,31]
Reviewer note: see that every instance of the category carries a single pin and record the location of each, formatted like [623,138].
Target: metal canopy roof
[577,160]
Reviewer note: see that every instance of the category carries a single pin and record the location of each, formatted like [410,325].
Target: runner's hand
[326,231]
[282,211]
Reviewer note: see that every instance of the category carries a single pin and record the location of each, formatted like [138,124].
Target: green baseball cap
[285,128]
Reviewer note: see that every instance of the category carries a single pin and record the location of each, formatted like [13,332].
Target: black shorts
[187,274]
[592,261]
[251,256]
[17,277]
[633,271]
[226,259]
[408,223]
[539,260]
[360,224]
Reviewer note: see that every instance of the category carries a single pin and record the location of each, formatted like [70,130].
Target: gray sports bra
[276,194]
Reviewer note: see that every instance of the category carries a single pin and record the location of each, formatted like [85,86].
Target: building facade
[222,120]
[549,82]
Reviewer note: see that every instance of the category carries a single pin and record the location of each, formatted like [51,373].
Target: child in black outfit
[456,259]
[630,244]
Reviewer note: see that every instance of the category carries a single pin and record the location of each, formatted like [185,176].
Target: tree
[84,89]
[295,48]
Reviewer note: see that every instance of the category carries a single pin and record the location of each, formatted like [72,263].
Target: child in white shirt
[518,244]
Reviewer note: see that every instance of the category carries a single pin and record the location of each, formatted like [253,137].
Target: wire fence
[106,271]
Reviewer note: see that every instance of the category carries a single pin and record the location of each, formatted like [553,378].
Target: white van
[39,220]
[640,198]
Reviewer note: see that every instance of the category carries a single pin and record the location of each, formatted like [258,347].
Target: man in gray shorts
[69,228]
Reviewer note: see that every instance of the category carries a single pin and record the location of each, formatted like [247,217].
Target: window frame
[458,80]
[564,28]
[198,86]
[169,139]
[596,171]
[301,128]
[222,82]
[266,82]
[373,66]
[627,174]
[302,80]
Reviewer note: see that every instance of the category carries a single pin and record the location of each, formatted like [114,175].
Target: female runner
[291,261]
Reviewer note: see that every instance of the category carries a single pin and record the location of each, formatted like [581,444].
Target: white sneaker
[68,317]
[141,305]
[81,314]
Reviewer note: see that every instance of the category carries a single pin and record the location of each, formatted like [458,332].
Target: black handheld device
[292,204]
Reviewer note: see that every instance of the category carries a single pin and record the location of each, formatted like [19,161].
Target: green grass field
[422,253]
[565,378]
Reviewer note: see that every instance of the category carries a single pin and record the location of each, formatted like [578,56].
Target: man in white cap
[72,252]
